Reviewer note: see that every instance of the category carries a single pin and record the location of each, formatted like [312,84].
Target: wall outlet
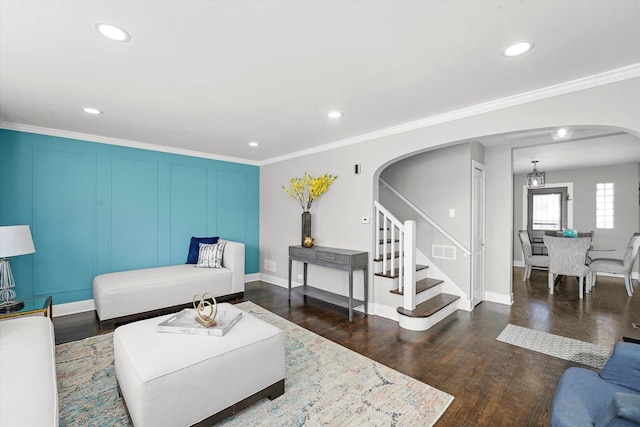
[270,265]
[452,213]
[365,220]
[300,277]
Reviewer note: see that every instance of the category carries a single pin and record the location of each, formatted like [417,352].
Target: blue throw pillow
[194,247]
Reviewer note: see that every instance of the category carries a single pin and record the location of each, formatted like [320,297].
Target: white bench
[130,295]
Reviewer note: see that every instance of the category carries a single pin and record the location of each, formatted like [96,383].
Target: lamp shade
[15,240]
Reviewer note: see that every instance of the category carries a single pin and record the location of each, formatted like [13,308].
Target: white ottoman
[181,379]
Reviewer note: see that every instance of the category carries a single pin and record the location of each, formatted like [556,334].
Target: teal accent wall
[96,208]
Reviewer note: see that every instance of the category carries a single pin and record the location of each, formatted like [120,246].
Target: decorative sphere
[307,242]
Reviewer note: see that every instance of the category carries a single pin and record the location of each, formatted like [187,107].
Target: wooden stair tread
[396,272]
[389,256]
[389,241]
[430,307]
[421,286]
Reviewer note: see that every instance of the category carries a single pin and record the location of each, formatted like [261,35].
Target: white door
[477,231]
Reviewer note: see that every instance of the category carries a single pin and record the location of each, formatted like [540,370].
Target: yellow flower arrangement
[307,189]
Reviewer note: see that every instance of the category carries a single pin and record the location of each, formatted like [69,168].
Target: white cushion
[180,379]
[28,384]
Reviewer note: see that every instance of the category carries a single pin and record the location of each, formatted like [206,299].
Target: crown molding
[120,142]
[608,77]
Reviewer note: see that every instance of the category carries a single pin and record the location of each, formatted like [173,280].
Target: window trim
[525,202]
[562,192]
[608,222]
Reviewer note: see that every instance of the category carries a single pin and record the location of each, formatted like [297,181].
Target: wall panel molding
[96,208]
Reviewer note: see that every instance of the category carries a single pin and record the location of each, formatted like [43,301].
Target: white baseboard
[518,263]
[506,299]
[383,311]
[465,304]
[251,277]
[73,307]
[274,280]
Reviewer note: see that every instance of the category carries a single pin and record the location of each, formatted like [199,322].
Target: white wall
[337,214]
[436,181]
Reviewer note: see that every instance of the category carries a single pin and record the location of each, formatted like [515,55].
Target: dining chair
[567,257]
[588,234]
[617,266]
[530,260]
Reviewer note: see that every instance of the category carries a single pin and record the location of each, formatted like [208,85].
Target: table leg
[50,308]
[350,295]
[304,276]
[366,289]
[290,261]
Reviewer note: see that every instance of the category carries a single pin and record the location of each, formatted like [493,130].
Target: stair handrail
[388,214]
[442,231]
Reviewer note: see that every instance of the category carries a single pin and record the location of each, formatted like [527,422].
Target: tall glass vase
[306,225]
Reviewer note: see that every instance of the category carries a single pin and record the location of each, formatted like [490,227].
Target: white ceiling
[210,76]
[587,147]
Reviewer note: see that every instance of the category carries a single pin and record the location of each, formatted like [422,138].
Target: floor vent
[443,252]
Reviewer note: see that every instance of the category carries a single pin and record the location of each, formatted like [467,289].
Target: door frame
[479,166]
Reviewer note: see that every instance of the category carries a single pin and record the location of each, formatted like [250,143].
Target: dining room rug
[555,345]
[325,384]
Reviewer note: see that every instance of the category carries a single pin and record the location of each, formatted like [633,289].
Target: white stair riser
[424,323]
[428,294]
[385,285]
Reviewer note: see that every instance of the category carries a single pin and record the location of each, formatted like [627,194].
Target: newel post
[409,278]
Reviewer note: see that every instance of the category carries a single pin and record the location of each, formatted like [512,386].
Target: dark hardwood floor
[493,383]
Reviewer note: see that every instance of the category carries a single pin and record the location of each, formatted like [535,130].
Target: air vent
[443,252]
[269,265]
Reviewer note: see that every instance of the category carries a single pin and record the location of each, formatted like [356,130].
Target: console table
[342,259]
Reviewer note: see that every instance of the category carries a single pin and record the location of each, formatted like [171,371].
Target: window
[604,205]
[546,212]
[547,209]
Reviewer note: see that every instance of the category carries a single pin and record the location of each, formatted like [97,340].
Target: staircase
[422,301]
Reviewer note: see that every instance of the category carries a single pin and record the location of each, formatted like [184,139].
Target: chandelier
[535,179]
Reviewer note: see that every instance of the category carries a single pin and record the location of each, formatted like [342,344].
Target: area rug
[325,384]
[555,345]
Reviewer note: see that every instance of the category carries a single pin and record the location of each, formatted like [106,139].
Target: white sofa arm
[28,383]
[233,259]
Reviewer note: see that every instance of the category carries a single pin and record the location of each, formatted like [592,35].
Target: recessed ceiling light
[90,110]
[561,133]
[517,49]
[334,114]
[254,144]
[113,32]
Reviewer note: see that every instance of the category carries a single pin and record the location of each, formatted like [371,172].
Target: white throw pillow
[210,256]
